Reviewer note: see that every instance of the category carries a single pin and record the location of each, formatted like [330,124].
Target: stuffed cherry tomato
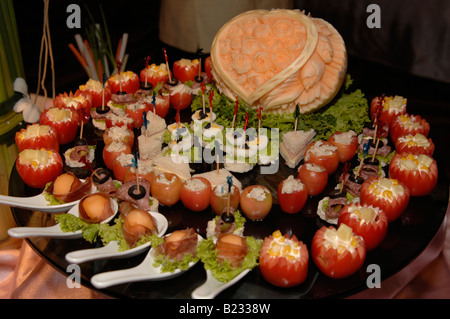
[419,173]
[136,112]
[367,221]
[121,165]
[39,167]
[118,134]
[386,193]
[338,253]
[196,194]
[219,198]
[408,124]
[64,121]
[162,102]
[283,260]
[386,108]
[208,68]
[314,177]
[155,74]
[256,202]
[113,119]
[292,195]
[37,136]
[100,96]
[346,143]
[186,70]
[127,81]
[145,171]
[166,188]
[80,101]
[112,151]
[323,153]
[415,144]
[180,96]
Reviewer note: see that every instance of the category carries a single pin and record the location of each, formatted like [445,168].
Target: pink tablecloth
[25,275]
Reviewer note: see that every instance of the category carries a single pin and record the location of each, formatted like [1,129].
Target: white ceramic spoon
[145,271]
[212,287]
[55,230]
[111,250]
[38,203]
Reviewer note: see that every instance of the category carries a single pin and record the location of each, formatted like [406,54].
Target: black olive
[356,179]
[137,194]
[227,218]
[336,193]
[207,126]
[236,135]
[80,142]
[98,179]
[368,161]
[103,110]
[147,87]
[173,82]
[121,93]
[199,78]
[373,143]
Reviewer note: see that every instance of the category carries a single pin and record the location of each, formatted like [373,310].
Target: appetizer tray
[407,237]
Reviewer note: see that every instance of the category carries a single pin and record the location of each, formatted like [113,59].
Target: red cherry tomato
[99,95]
[127,81]
[415,144]
[118,134]
[163,104]
[323,153]
[130,175]
[196,194]
[39,167]
[80,102]
[155,74]
[292,195]
[387,110]
[346,143]
[387,194]
[120,166]
[37,136]
[64,121]
[208,67]
[283,260]
[219,198]
[181,97]
[166,188]
[419,173]
[135,112]
[408,124]
[336,260]
[256,202]
[112,151]
[186,70]
[314,176]
[367,221]
[112,119]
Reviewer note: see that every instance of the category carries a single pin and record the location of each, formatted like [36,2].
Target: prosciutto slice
[136,224]
[179,243]
[142,203]
[232,248]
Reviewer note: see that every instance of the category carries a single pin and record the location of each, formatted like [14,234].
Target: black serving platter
[407,237]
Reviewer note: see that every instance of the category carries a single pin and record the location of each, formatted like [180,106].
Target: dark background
[414,37]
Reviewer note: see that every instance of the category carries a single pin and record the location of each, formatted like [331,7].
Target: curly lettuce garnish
[349,110]
[207,253]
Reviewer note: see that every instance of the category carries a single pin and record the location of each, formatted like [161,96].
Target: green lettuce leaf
[207,253]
